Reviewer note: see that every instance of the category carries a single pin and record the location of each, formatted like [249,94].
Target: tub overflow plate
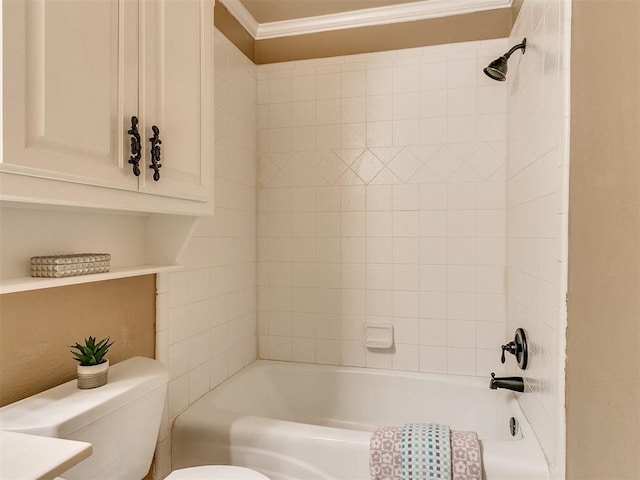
[514,426]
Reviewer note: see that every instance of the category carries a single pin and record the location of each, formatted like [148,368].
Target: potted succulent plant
[93,367]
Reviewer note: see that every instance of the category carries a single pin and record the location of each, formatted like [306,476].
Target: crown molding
[239,11]
[407,12]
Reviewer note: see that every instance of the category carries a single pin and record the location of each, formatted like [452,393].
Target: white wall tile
[352,224]
[406,304]
[406,357]
[461,334]
[536,124]
[353,354]
[398,209]
[406,250]
[433,223]
[303,350]
[198,314]
[178,395]
[433,332]
[378,359]
[406,197]
[406,224]
[433,104]
[379,224]
[433,359]
[379,197]
[303,325]
[379,276]
[198,382]
[406,277]
[280,348]
[461,278]
[406,330]
[433,305]
[433,197]
[461,361]
[328,351]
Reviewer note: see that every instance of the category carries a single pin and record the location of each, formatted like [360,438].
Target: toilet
[217,472]
[121,420]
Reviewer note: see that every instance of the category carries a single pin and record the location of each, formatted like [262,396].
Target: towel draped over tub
[424,451]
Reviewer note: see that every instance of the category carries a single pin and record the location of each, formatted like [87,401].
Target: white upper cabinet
[70,81]
[176,96]
[76,72]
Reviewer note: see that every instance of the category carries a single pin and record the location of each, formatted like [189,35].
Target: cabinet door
[177,96]
[70,89]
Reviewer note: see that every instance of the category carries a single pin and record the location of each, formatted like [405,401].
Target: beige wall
[436,31]
[231,28]
[603,338]
[37,327]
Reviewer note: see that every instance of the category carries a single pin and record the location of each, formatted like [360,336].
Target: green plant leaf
[91,353]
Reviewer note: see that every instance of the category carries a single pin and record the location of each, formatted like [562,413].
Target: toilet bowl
[215,472]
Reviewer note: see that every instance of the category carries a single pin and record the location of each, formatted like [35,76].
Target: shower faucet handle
[517,347]
[510,347]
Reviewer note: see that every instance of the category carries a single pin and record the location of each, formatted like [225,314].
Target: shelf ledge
[32,457]
[24,284]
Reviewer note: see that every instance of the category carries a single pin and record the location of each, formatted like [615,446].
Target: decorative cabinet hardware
[518,347]
[155,153]
[136,147]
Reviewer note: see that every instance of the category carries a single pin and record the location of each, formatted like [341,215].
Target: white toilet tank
[121,419]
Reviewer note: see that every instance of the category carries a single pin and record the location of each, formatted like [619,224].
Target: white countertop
[32,457]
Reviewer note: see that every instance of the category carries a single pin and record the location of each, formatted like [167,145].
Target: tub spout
[510,383]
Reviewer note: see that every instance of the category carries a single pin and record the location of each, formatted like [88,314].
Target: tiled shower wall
[537,196]
[206,313]
[381,198]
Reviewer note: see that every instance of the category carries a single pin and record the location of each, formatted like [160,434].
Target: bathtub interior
[360,399]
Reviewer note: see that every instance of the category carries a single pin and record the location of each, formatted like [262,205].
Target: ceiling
[266,11]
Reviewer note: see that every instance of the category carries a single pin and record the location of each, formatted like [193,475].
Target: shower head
[498,68]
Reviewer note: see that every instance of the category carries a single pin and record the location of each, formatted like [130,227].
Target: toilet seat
[215,472]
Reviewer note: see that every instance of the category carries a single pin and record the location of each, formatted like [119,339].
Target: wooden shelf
[24,284]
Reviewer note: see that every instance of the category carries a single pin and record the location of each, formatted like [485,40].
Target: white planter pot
[93,376]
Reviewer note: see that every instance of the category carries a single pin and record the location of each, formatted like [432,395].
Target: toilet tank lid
[61,410]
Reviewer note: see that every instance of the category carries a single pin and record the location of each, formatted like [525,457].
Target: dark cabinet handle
[136,147]
[155,153]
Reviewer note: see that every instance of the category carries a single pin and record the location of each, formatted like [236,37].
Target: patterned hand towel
[424,452]
[385,456]
[466,458]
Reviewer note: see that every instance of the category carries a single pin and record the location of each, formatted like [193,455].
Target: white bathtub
[295,421]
